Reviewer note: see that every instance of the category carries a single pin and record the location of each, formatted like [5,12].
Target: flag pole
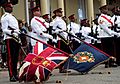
[81,40]
[66,41]
[45,44]
[85,42]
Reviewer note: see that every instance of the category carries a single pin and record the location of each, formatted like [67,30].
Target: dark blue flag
[85,58]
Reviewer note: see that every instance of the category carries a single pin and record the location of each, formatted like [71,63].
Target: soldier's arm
[4,23]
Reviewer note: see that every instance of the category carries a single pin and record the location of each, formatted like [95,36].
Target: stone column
[90,10]
[61,5]
[27,11]
[44,6]
[102,2]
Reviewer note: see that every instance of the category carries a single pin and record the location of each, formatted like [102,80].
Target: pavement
[98,75]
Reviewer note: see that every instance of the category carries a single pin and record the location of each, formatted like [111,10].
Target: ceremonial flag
[38,48]
[38,67]
[85,58]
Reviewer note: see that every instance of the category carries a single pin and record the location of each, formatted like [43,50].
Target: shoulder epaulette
[5,15]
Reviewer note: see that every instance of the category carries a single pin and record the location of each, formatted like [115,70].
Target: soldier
[65,19]
[116,28]
[74,29]
[96,33]
[39,29]
[107,34]
[86,31]
[58,27]
[11,30]
[46,17]
[51,42]
[49,24]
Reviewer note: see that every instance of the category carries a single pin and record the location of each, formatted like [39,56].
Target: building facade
[81,8]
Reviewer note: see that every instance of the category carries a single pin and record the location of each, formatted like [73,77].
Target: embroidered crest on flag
[81,57]
[40,60]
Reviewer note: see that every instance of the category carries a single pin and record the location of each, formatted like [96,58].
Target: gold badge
[39,60]
[81,57]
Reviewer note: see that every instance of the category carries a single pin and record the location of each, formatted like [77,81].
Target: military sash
[108,20]
[41,22]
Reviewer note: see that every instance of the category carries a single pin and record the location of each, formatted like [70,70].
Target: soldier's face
[9,9]
[60,14]
[73,20]
[105,11]
[37,13]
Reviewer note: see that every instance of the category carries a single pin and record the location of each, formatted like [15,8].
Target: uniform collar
[8,13]
[105,14]
[36,17]
[58,17]
[72,22]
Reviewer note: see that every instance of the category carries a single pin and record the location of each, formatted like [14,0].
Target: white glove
[118,34]
[49,36]
[58,31]
[15,35]
[54,40]
[77,40]
[95,39]
[16,38]
[17,31]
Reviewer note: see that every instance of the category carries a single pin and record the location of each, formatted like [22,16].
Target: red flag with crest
[38,67]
